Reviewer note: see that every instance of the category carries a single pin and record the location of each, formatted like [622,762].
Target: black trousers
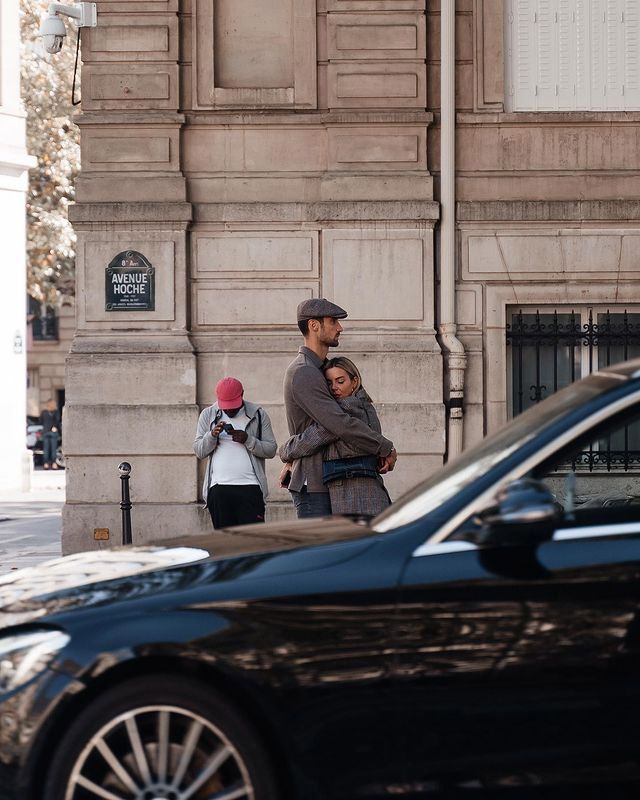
[235,505]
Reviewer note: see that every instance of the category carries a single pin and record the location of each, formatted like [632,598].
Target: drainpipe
[456,360]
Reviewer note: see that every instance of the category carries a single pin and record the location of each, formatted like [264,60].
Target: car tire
[160,737]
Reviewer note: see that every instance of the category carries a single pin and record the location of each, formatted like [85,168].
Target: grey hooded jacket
[258,448]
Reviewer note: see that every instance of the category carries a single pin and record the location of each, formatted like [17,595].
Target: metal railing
[550,350]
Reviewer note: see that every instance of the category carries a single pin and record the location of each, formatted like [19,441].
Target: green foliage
[55,141]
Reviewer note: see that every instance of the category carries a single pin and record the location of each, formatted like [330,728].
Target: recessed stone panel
[254,55]
[483,253]
[377,85]
[249,251]
[248,304]
[360,266]
[532,253]
[375,5]
[142,38]
[377,148]
[253,44]
[630,255]
[469,306]
[255,150]
[284,150]
[366,36]
[136,86]
[591,252]
[126,151]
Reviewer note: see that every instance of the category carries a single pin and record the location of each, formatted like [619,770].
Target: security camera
[53,32]
[52,29]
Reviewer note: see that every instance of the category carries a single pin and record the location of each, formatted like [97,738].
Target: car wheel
[155,739]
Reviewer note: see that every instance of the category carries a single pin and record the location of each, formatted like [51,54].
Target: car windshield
[474,463]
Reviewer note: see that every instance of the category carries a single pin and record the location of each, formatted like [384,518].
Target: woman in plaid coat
[355,487]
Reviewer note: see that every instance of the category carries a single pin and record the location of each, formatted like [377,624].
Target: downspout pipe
[453,349]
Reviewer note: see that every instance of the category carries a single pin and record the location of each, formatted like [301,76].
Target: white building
[14,164]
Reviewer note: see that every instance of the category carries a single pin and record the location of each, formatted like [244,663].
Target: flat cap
[317,308]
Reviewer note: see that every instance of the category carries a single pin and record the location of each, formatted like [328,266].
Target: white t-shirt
[230,463]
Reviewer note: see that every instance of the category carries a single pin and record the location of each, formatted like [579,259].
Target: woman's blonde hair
[342,362]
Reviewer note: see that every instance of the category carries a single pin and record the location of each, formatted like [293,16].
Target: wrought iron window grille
[550,350]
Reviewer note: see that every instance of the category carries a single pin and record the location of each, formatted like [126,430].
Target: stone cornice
[548,210]
[89,213]
[329,211]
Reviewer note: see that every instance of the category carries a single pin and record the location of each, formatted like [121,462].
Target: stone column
[130,375]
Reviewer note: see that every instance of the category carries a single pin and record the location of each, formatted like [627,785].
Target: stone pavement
[30,522]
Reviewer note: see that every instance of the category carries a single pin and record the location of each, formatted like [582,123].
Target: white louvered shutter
[546,30]
[574,54]
[567,47]
[598,53]
[583,55]
[521,49]
[614,40]
[631,13]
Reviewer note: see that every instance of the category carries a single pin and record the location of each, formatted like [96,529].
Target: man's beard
[331,342]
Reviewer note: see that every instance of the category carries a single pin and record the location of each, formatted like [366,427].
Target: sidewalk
[46,486]
[30,522]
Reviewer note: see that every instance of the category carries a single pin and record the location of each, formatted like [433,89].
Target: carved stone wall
[258,153]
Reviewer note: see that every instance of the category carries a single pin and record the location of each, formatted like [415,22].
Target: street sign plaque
[130,283]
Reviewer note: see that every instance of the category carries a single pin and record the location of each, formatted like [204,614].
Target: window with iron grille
[45,326]
[552,348]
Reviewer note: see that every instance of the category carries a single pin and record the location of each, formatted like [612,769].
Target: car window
[594,481]
[598,479]
[476,461]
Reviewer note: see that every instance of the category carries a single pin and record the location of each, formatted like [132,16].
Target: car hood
[29,594]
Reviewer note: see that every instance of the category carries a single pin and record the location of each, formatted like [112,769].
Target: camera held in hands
[228,428]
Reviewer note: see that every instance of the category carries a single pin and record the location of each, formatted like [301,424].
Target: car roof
[626,369]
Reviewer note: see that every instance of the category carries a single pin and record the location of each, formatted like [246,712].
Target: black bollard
[125,470]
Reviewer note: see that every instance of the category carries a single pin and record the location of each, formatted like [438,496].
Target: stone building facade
[260,153]
[15,459]
[49,338]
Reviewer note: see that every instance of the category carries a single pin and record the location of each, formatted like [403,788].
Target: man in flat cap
[307,399]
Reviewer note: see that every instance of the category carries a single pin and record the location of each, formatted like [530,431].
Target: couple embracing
[336,454]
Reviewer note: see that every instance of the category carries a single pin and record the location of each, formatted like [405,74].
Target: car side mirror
[525,513]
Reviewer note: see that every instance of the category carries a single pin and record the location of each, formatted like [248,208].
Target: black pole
[125,470]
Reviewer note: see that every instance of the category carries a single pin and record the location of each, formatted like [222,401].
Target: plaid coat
[366,496]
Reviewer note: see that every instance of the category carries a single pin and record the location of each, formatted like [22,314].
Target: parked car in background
[479,637]
[35,443]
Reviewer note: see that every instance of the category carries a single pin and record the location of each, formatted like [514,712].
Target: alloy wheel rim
[159,752]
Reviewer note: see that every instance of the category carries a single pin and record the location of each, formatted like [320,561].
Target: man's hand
[217,430]
[239,436]
[285,475]
[387,463]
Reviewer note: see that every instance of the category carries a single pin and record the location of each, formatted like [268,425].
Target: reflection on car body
[482,634]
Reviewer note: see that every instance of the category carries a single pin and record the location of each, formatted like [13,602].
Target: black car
[480,636]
